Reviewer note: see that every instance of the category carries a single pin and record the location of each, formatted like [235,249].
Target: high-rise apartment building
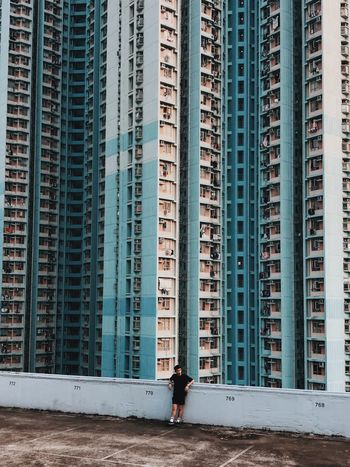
[104,247]
[201,222]
[276,200]
[303,208]
[72,157]
[240,193]
[325,191]
[175,188]
[166,156]
[30,115]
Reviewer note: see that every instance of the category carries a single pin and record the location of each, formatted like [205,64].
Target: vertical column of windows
[94,189]
[101,187]
[49,142]
[345,108]
[210,193]
[72,168]
[313,170]
[134,190]
[13,293]
[168,189]
[270,222]
[87,292]
[240,216]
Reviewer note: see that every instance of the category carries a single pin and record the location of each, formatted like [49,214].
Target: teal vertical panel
[193,189]
[287,225]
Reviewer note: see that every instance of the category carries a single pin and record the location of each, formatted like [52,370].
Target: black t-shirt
[180,382]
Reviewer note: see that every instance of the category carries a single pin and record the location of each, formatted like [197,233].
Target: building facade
[325,176]
[175,188]
[31,82]
[240,194]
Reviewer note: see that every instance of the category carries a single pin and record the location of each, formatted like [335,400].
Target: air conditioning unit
[139,60]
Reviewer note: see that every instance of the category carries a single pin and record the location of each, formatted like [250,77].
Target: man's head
[178,369]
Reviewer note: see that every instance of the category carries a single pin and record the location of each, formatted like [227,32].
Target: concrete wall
[283,410]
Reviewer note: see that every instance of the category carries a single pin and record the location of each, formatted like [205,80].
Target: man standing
[181,384]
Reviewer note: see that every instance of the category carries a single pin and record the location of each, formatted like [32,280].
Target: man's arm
[189,384]
[171,383]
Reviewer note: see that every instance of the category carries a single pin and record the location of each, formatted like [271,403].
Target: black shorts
[179,398]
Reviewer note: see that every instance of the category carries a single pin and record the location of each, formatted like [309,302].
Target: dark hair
[176,367]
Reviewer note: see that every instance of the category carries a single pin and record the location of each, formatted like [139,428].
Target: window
[135,362]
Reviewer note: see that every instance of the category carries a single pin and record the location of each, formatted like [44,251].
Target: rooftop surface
[39,438]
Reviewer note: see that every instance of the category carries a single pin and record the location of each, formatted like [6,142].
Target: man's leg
[181,413]
[173,413]
[174,408]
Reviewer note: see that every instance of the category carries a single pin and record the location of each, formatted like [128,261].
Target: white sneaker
[171,420]
[179,420]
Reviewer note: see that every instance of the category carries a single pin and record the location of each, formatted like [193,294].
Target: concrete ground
[33,438]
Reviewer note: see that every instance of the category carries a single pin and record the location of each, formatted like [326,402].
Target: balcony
[168,57]
[168,18]
[167,132]
[167,151]
[166,333]
[169,4]
[169,38]
[344,12]
[207,351]
[168,75]
[345,108]
[317,377]
[209,370]
[314,30]
[162,353]
[168,94]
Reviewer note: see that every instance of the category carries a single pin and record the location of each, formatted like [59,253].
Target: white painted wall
[284,410]
[333,197]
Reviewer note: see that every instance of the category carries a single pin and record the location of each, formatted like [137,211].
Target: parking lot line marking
[138,444]
[236,456]
[114,462]
[42,437]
